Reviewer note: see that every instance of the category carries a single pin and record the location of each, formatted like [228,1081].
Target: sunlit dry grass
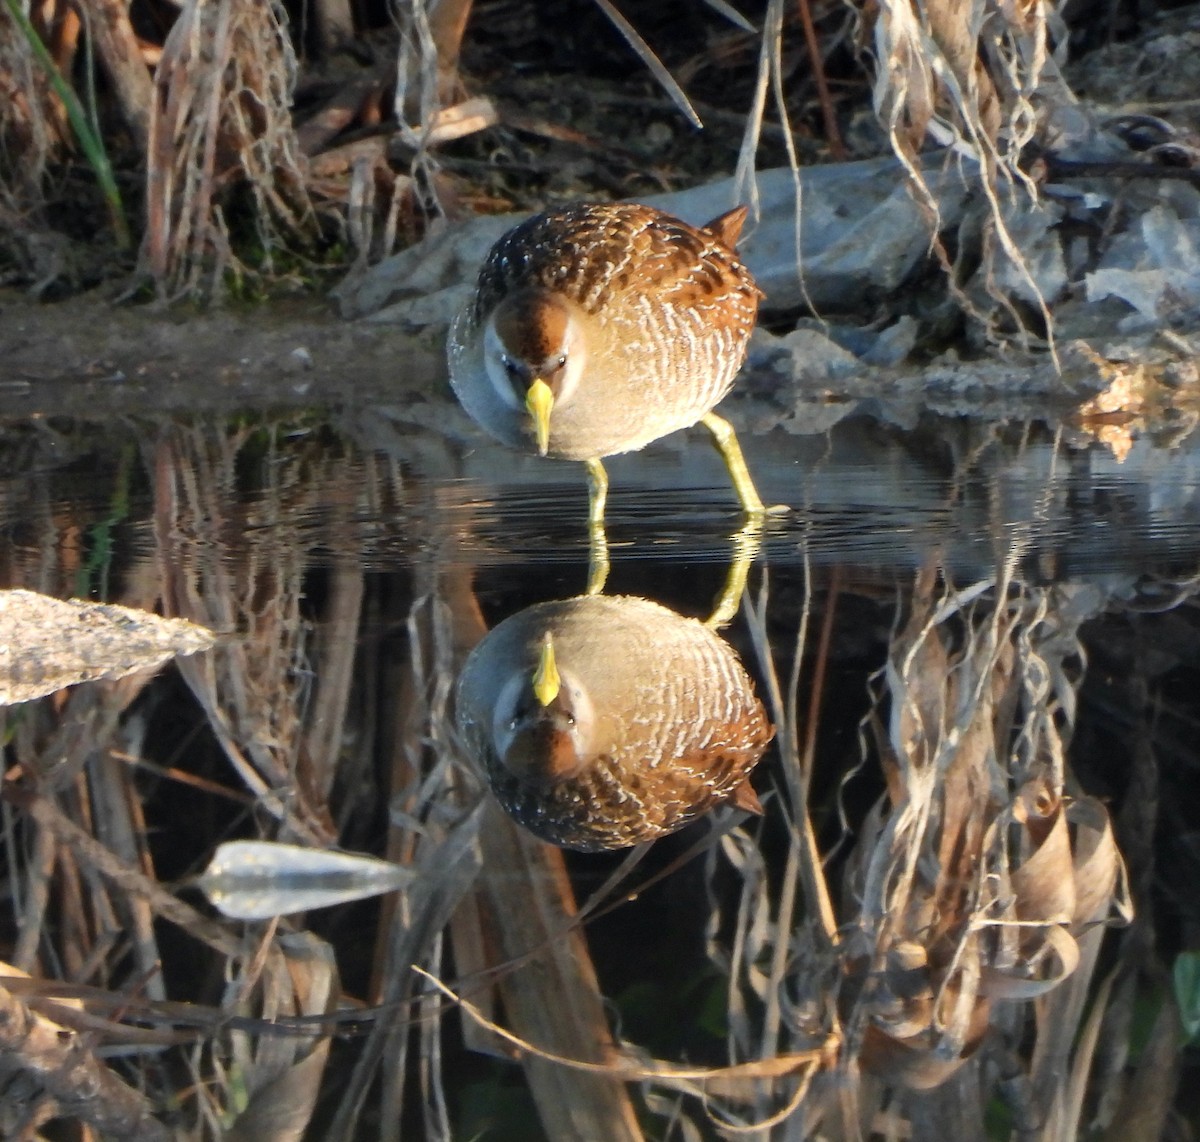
[231,177]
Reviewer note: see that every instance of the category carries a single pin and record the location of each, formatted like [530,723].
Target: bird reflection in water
[601,722]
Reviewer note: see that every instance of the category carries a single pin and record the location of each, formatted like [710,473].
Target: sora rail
[595,329]
[604,721]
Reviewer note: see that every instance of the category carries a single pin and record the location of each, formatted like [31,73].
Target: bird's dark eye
[511,367]
[569,719]
[562,361]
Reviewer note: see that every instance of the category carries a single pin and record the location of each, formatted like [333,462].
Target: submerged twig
[63,1066]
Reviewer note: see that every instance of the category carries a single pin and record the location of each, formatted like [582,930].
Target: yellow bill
[539,400]
[546,681]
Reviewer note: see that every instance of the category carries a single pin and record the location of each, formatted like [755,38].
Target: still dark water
[979,646]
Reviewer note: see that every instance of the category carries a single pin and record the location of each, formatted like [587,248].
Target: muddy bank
[86,354]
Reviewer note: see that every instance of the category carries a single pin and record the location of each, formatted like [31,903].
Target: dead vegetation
[221,118]
[939,954]
[276,144]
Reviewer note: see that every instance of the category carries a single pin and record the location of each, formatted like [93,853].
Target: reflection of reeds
[976,891]
[897,984]
[250,687]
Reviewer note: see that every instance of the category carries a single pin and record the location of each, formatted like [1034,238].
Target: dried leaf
[47,644]
[282,1074]
[656,66]
[1044,883]
[1100,883]
[256,880]
[917,1062]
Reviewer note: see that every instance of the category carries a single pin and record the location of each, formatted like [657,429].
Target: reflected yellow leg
[746,545]
[597,539]
[726,440]
[597,491]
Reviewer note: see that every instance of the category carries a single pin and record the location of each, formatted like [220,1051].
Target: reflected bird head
[544,723]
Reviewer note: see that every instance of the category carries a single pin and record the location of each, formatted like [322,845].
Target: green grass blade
[89,138]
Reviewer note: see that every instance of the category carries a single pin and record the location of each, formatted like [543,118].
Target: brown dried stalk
[120,53]
[251,685]
[33,121]
[63,1066]
[222,118]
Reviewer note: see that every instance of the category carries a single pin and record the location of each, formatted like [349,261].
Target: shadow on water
[977,643]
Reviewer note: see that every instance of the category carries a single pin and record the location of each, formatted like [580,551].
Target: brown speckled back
[667,309]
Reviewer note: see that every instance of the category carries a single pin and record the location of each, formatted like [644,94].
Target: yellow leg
[726,441]
[597,539]
[746,545]
[597,491]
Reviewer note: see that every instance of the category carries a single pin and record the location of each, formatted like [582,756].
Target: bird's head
[544,723]
[534,352]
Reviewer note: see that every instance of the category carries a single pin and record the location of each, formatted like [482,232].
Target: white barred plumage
[655,721]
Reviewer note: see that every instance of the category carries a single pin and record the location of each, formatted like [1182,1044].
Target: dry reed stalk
[976,880]
[542,938]
[427,85]
[1105,1094]
[554,962]
[63,1068]
[379,493]
[446,864]
[628,1065]
[251,686]
[966,76]
[416,716]
[447,25]
[770,77]
[833,132]
[468,926]
[972,883]
[63,781]
[783,918]
[68,790]
[970,79]
[338,112]
[121,827]
[494,933]
[278,1078]
[334,658]
[221,119]
[121,55]
[333,655]
[37,864]
[537,949]
[427,830]
[88,853]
